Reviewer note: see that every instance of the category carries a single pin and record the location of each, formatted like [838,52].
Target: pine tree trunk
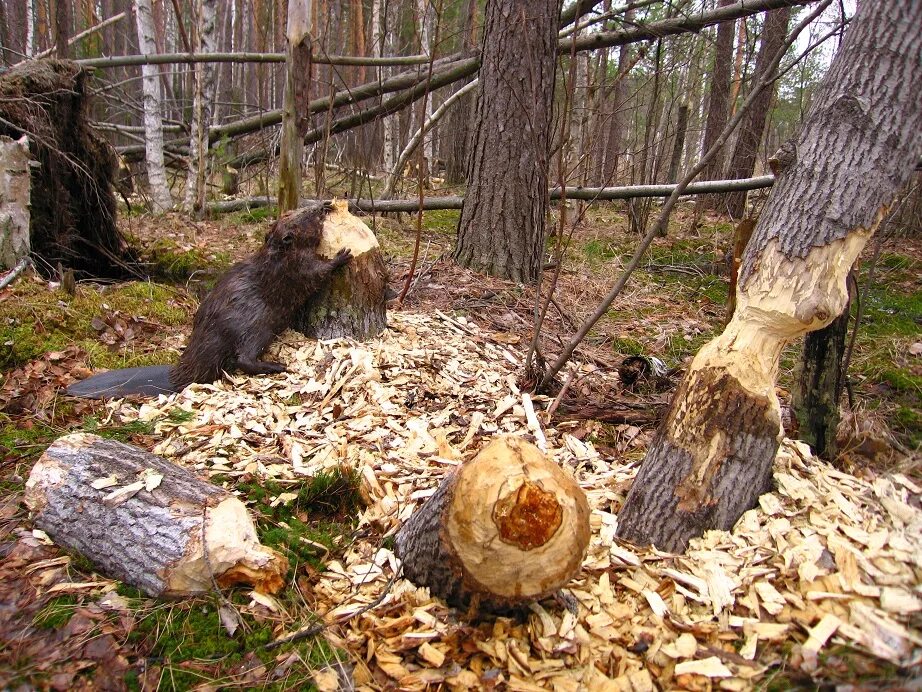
[743,161]
[352,303]
[145,521]
[679,144]
[501,230]
[718,104]
[296,98]
[153,123]
[712,456]
[506,527]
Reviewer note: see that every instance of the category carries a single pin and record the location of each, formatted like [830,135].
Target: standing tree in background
[203,108]
[501,229]
[153,123]
[743,161]
[712,456]
[718,103]
[296,98]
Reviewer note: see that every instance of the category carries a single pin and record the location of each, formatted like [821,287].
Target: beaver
[249,306]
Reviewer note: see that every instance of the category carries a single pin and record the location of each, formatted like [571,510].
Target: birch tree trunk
[297,96]
[203,108]
[712,456]
[502,226]
[153,123]
[384,45]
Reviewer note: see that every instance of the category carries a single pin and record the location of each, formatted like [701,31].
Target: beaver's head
[298,229]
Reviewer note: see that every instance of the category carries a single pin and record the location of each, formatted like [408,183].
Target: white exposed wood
[161,200]
[506,527]
[15,189]
[146,521]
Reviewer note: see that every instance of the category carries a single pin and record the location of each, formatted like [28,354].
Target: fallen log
[352,303]
[506,527]
[145,521]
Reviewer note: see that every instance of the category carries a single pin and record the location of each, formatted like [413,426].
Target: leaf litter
[826,559]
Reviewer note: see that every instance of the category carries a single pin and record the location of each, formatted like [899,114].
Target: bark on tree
[206,75]
[718,102]
[297,96]
[145,521]
[679,144]
[712,456]
[153,122]
[352,303]
[506,527]
[62,21]
[14,200]
[818,388]
[743,161]
[617,98]
[501,230]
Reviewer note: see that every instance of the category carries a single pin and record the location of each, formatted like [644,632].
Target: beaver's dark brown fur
[256,300]
[248,307]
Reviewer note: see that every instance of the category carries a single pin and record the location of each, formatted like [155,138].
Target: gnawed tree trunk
[352,303]
[14,200]
[818,388]
[153,124]
[145,521]
[295,120]
[506,527]
[502,226]
[712,457]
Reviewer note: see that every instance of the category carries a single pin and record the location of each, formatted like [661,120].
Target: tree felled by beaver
[73,206]
[249,306]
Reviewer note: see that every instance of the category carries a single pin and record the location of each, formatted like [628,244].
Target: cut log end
[147,522]
[352,304]
[507,527]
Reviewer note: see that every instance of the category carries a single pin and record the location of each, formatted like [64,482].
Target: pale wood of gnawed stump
[506,527]
[181,537]
[352,304]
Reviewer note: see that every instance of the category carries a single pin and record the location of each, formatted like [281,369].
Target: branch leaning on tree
[680,189]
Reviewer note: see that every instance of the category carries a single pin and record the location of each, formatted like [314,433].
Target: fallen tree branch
[173,58]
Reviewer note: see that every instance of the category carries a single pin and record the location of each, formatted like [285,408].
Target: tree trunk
[297,95]
[506,527]
[62,21]
[743,161]
[202,109]
[615,138]
[718,102]
[457,128]
[501,229]
[14,200]
[679,144]
[818,389]
[352,303]
[153,122]
[145,521]
[712,456]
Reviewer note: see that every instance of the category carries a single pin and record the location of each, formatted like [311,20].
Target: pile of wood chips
[826,559]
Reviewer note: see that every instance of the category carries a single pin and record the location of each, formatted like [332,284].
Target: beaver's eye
[287,239]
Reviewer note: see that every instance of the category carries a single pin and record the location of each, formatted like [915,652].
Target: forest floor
[64,626]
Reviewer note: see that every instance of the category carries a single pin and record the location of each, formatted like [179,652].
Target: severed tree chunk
[146,521]
[506,527]
[352,303]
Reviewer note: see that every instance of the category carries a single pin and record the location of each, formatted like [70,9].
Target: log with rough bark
[352,303]
[506,527]
[712,457]
[145,521]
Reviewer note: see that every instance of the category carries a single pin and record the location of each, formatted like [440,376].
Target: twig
[14,272]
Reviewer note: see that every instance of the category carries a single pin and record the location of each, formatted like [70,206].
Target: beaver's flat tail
[150,380]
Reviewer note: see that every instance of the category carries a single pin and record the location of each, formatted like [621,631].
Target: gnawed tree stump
[506,527]
[352,304]
[173,538]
